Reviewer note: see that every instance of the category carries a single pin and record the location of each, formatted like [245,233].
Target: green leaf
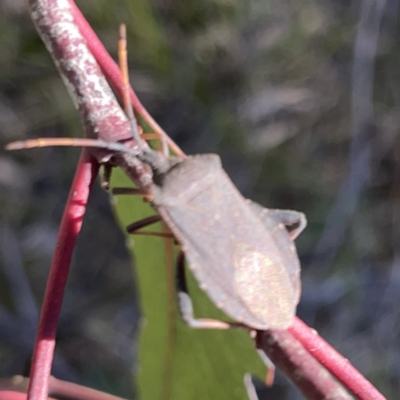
[177,362]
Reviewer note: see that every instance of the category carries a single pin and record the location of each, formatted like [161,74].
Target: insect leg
[269,379]
[106,177]
[294,221]
[250,388]
[143,223]
[130,191]
[134,228]
[185,304]
[123,65]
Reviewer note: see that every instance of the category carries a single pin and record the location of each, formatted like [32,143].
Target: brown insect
[241,254]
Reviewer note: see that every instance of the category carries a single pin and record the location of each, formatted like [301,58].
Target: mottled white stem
[80,72]
[101,114]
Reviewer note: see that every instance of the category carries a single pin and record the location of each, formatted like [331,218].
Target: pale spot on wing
[264,286]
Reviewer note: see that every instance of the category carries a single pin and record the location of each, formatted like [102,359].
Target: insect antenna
[68,142]
[155,160]
[126,98]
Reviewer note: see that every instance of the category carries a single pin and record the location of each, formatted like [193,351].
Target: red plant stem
[113,74]
[15,388]
[69,229]
[13,395]
[10,395]
[68,390]
[300,366]
[334,362]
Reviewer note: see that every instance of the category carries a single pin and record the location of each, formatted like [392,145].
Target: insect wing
[232,254]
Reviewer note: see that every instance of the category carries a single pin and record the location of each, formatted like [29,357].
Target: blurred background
[300,98]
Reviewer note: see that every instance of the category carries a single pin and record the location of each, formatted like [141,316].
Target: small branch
[69,229]
[334,362]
